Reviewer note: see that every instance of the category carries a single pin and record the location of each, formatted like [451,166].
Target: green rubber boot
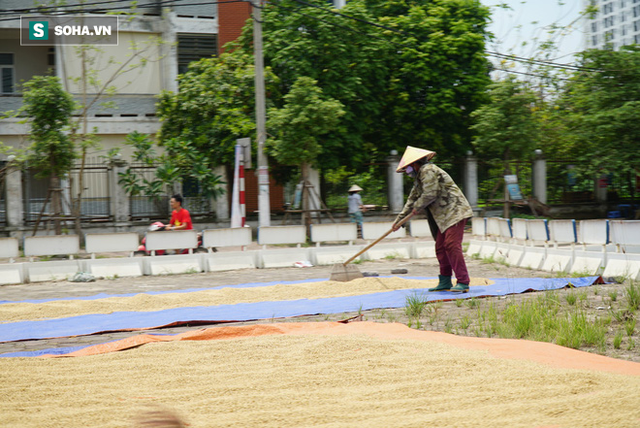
[444,284]
[461,288]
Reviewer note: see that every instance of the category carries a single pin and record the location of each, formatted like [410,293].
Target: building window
[594,27]
[636,38]
[193,47]
[594,40]
[636,25]
[622,3]
[6,73]
[608,8]
[636,11]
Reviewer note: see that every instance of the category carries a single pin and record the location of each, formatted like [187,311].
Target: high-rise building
[617,23]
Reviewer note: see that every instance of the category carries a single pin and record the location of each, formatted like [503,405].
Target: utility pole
[263,166]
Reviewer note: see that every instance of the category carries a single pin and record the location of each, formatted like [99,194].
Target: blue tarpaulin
[119,321]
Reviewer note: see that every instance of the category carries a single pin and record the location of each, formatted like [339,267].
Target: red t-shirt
[181,217]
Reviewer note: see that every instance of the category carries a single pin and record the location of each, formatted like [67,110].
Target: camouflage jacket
[435,189]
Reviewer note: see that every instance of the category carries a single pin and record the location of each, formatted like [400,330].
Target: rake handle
[403,221]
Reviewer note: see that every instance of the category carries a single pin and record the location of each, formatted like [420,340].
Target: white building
[617,23]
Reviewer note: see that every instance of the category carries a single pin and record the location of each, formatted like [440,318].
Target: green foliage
[179,162]
[297,127]
[601,107]
[507,127]
[49,108]
[214,106]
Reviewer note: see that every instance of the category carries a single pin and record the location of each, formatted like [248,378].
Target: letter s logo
[38,30]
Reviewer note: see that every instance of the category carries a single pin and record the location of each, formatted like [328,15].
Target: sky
[513,27]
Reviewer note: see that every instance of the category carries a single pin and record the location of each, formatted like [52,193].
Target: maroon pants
[449,252]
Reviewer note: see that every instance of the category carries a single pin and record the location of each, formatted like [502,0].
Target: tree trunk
[56,204]
[306,215]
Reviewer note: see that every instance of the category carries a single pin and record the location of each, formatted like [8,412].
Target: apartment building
[616,24]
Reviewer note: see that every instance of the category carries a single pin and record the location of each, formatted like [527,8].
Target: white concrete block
[505,229]
[563,231]
[276,235]
[334,232]
[475,246]
[171,240]
[111,242]
[594,232]
[396,250]
[537,230]
[375,229]
[333,255]
[420,229]
[51,245]
[487,250]
[51,271]
[230,237]
[519,229]
[625,234]
[622,265]
[493,226]
[174,264]
[11,273]
[587,263]
[9,248]
[215,262]
[423,250]
[533,257]
[109,268]
[502,251]
[479,227]
[558,260]
[284,257]
[514,256]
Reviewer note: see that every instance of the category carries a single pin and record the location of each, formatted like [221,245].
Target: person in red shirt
[180,217]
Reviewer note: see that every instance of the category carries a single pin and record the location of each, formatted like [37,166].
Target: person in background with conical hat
[355,206]
[435,193]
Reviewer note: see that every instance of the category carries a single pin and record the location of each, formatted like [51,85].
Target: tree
[507,127]
[299,125]
[214,106]
[179,161]
[49,109]
[601,106]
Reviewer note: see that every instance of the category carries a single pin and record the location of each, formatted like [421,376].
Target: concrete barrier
[479,227]
[505,230]
[114,267]
[519,230]
[231,237]
[334,232]
[532,257]
[375,229]
[333,255]
[594,232]
[12,273]
[493,227]
[537,232]
[622,266]
[420,229]
[173,264]
[282,235]
[111,242]
[587,262]
[51,245]
[285,257]
[562,232]
[222,261]
[395,250]
[423,250]
[625,235]
[171,240]
[9,248]
[51,271]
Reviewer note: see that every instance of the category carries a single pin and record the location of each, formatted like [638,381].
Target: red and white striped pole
[243,211]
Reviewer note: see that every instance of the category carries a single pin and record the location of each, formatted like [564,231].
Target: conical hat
[355,188]
[412,154]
